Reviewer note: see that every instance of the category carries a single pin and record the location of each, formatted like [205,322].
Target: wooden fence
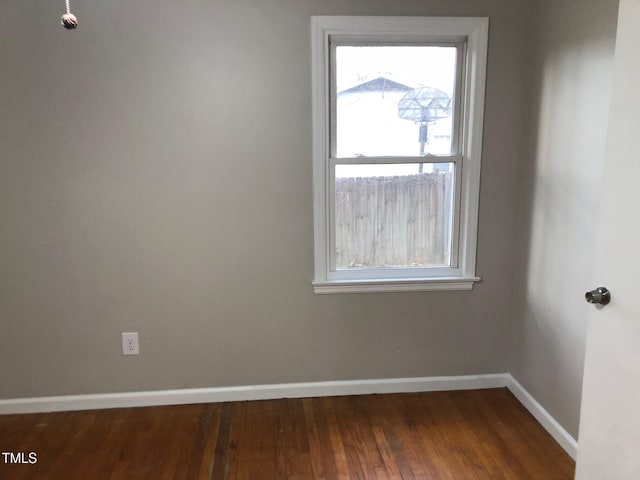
[394,220]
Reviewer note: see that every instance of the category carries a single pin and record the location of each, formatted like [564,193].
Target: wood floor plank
[356,425]
[295,457]
[204,453]
[532,443]
[222,443]
[390,464]
[487,445]
[101,447]
[230,471]
[421,464]
[335,439]
[463,444]
[430,429]
[471,435]
[320,452]
[76,447]
[183,428]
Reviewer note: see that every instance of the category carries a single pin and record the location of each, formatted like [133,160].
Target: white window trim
[475,30]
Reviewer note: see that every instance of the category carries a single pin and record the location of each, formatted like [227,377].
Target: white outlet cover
[130,345]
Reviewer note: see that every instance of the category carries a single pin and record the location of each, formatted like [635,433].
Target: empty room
[319,239]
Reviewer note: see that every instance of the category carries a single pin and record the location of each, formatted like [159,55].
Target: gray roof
[380,84]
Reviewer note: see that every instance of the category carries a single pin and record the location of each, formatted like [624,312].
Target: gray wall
[155,176]
[571,77]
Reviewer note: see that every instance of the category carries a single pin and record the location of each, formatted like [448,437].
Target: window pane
[393,215]
[394,100]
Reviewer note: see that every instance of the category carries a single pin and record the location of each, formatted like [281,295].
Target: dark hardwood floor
[482,434]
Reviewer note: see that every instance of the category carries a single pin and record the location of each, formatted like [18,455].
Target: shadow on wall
[567,130]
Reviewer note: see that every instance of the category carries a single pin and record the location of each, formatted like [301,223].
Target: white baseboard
[566,441]
[255,392]
[293,390]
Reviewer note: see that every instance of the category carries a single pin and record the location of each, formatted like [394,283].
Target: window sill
[394,285]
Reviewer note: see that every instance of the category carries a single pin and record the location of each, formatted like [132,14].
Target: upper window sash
[457,42]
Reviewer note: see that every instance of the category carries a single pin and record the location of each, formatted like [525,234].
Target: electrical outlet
[130,343]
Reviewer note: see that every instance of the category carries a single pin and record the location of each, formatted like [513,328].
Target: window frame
[327,32]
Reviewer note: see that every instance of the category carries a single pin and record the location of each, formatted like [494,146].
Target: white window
[397,117]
